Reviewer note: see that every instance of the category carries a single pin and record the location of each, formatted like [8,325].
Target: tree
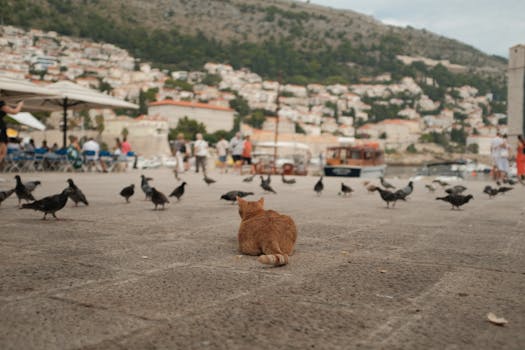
[240,105]
[299,129]
[145,97]
[189,127]
[256,120]
[99,124]
[124,133]
[411,148]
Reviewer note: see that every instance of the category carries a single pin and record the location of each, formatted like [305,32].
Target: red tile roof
[190,105]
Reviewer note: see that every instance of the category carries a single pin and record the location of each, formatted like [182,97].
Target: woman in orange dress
[520,158]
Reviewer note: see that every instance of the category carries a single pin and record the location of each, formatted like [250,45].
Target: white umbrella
[14,90]
[69,95]
[29,120]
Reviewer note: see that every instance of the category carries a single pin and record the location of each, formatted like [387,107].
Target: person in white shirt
[92,146]
[201,153]
[236,147]
[222,151]
[495,147]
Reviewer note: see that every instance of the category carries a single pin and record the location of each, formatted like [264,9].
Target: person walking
[237,147]
[503,160]
[495,150]
[4,109]
[180,151]
[222,152]
[247,153]
[520,158]
[201,153]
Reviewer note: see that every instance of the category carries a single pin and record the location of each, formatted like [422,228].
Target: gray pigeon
[5,194]
[232,195]
[31,185]
[50,204]
[146,188]
[248,179]
[208,180]
[287,181]
[458,189]
[266,185]
[75,194]
[408,189]
[21,191]
[386,184]
[319,187]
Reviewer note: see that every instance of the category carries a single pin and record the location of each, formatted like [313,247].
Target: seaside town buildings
[308,112]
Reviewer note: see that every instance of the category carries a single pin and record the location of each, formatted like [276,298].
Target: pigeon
[458,189]
[430,188]
[50,204]
[31,185]
[146,188]
[385,184]
[442,183]
[264,182]
[127,192]
[5,194]
[75,194]
[208,180]
[287,181]
[178,192]
[158,198]
[22,192]
[408,189]
[492,192]
[401,195]
[387,196]
[249,178]
[269,179]
[232,195]
[266,186]
[346,190]
[318,188]
[504,189]
[510,181]
[457,200]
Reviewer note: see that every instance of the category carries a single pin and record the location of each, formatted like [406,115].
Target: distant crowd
[501,153]
[239,148]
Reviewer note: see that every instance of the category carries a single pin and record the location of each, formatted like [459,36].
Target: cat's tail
[274,259]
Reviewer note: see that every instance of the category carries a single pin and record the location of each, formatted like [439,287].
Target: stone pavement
[122,276]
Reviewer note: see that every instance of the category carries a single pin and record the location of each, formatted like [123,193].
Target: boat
[293,158]
[363,160]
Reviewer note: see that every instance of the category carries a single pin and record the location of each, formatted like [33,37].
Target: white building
[213,117]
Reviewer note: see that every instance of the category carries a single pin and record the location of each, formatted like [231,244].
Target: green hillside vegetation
[299,43]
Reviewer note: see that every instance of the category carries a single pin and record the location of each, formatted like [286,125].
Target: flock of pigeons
[388,193]
[47,205]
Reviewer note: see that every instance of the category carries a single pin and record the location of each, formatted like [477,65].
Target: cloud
[491,26]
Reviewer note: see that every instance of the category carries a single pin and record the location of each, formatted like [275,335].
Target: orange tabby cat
[265,232]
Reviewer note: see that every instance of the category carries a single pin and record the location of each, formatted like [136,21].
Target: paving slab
[124,276]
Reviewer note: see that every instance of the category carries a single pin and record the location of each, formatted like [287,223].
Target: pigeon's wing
[81,196]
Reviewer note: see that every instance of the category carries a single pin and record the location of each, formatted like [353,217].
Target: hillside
[304,42]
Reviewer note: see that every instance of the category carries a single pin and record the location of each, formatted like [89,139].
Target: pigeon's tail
[274,259]
[33,205]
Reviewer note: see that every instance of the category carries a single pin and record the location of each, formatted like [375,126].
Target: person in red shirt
[247,152]
[125,147]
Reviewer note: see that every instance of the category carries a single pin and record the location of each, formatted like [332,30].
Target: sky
[492,26]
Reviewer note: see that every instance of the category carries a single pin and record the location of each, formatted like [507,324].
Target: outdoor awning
[75,97]
[28,119]
[70,96]
[14,90]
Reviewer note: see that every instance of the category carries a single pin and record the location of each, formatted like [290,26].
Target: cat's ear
[240,200]
[261,201]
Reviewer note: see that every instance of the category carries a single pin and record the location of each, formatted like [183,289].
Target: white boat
[365,160]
